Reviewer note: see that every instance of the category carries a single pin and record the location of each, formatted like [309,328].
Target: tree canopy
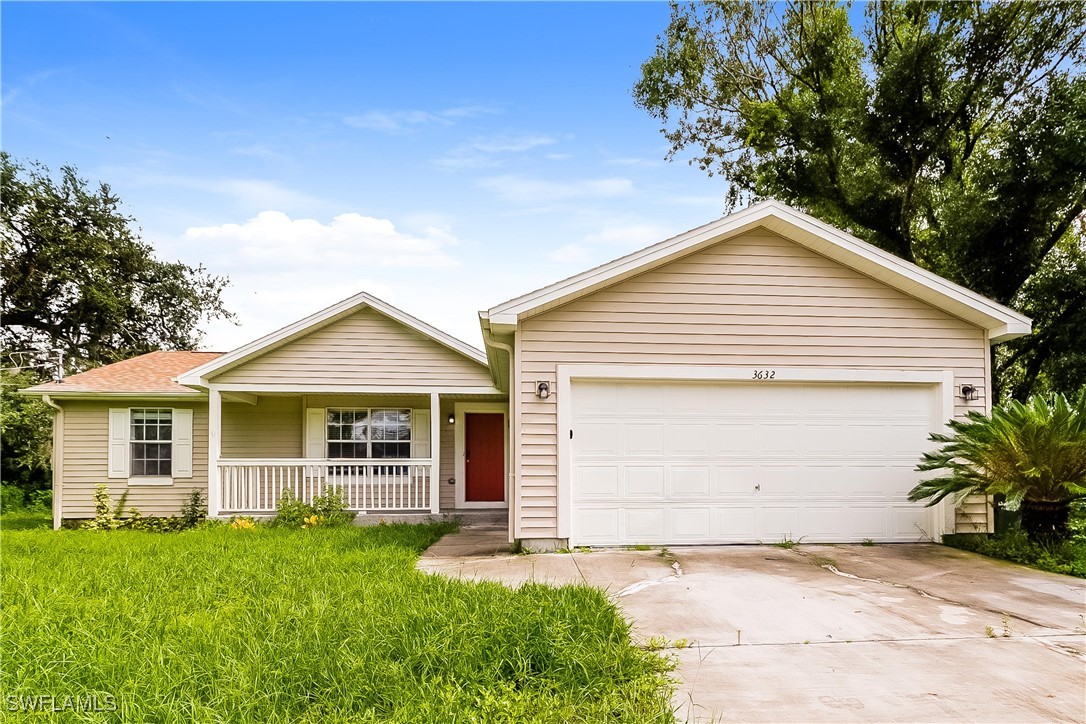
[950,134]
[75,276]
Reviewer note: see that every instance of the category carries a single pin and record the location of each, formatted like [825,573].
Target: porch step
[481,518]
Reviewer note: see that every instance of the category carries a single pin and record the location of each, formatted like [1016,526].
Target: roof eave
[1001,322]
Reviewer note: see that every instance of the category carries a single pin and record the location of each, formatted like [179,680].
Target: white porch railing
[255,486]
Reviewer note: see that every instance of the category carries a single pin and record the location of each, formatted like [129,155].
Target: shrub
[195,510]
[1034,453]
[11,498]
[108,516]
[40,501]
[327,508]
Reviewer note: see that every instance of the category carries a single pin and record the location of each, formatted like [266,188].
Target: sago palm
[1034,453]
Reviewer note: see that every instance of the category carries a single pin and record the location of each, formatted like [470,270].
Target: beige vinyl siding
[84,461]
[448,458]
[272,428]
[363,348]
[757,300]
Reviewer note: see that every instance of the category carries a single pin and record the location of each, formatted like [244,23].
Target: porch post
[435,453]
[214,450]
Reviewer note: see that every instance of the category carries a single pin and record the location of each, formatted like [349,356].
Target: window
[369,433]
[152,442]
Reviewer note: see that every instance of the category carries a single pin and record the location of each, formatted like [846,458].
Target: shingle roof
[148,373]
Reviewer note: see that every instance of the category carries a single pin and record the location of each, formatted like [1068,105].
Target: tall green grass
[305,625]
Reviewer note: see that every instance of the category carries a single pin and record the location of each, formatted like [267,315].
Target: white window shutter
[420,433]
[315,432]
[118,442]
[182,443]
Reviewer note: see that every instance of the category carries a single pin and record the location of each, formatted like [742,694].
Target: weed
[868,542]
[656,643]
[738,637]
[989,632]
[787,543]
[640,547]
[681,643]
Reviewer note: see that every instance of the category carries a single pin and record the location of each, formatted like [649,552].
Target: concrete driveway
[830,633]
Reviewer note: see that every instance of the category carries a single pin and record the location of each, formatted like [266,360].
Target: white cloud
[480,153]
[559,156]
[401,121]
[633,236]
[571,254]
[273,239]
[524,190]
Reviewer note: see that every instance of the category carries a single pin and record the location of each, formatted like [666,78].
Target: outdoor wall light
[452,419]
[542,389]
[970,392]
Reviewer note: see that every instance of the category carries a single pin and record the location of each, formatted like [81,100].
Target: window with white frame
[151,440]
[369,433]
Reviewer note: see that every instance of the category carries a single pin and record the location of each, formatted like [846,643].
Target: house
[765,376]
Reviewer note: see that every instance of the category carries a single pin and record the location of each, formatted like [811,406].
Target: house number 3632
[764,374]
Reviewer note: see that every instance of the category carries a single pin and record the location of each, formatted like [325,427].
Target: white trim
[944,512]
[459,410]
[941,380]
[214,450]
[191,396]
[1002,322]
[245,398]
[435,453]
[199,376]
[357,389]
[148,481]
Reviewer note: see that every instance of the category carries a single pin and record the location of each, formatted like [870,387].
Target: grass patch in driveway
[329,624]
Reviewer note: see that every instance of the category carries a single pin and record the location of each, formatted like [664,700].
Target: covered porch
[385,452]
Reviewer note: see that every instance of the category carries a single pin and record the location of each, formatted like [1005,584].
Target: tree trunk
[1045,521]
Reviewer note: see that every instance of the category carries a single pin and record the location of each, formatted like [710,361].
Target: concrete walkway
[829,633]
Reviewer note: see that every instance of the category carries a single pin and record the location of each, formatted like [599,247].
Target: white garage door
[694,462]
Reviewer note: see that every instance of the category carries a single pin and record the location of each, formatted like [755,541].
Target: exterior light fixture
[452,419]
[542,389]
[970,392]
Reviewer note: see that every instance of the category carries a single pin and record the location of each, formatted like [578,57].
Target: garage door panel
[597,526]
[693,482]
[731,481]
[688,440]
[643,482]
[598,439]
[641,440]
[599,481]
[648,524]
[698,462]
[731,438]
[775,523]
[690,524]
[735,524]
[780,480]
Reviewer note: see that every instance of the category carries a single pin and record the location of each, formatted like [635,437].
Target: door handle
[757,486]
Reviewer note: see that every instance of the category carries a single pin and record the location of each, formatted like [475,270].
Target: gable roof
[148,374]
[199,376]
[1001,322]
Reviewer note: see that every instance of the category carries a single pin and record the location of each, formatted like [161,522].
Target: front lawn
[328,624]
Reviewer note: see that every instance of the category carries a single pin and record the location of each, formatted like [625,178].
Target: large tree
[75,277]
[951,134]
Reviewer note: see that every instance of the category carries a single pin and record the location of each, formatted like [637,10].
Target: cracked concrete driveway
[833,633]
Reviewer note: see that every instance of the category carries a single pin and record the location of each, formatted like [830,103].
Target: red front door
[484,457]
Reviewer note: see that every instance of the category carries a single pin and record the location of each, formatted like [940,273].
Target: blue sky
[444,157]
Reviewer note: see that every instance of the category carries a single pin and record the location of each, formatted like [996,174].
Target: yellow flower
[243,524]
[313,521]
